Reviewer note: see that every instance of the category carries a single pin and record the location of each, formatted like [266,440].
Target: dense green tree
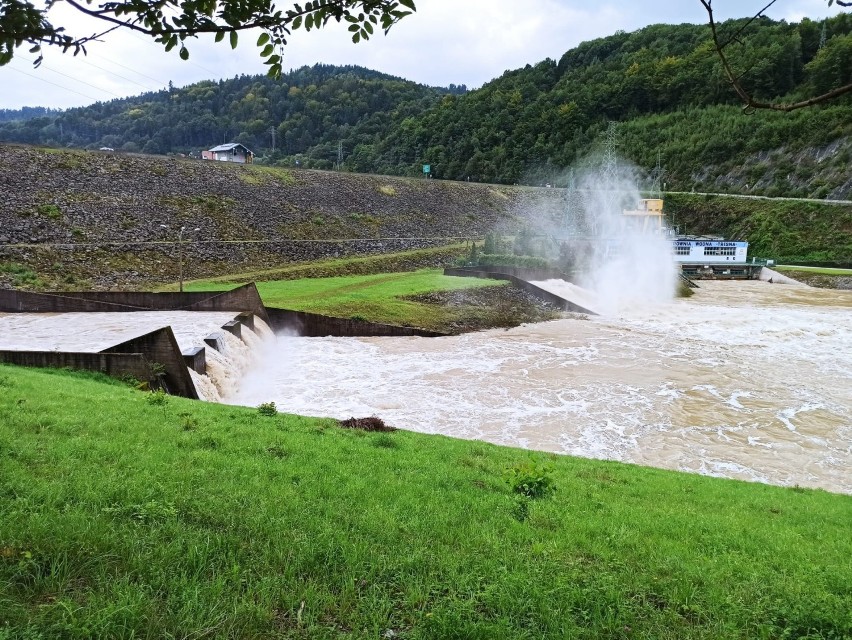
[753,78]
[173,22]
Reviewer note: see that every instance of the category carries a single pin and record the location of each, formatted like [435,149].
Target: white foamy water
[93,332]
[743,380]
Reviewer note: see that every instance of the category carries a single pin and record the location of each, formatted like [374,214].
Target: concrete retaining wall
[776,277]
[524,273]
[154,358]
[547,296]
[245,298]
[161,349]
[113,364]
[312,325]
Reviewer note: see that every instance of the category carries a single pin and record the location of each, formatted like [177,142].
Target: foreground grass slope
[122,518]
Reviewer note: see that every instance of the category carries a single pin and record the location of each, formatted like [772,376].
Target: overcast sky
[446,42]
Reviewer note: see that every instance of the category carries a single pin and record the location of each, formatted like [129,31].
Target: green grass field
[824,271]
[377,298]
[122,517]
[362,265]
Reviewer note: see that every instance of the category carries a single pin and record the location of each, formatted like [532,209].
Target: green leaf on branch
[234,39]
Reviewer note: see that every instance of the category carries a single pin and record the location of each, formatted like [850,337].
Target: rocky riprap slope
[94,219]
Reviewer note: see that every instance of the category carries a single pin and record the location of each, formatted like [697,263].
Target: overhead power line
[53,83]
[88,84]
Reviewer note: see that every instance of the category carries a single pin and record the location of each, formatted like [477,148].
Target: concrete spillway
[573,295]
[159,338]
[194,344]
[539,282]
[204,353]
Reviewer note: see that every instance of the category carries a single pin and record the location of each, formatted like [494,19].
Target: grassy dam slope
[77,219]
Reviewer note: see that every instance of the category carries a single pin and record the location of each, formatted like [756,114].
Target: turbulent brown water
[743,380]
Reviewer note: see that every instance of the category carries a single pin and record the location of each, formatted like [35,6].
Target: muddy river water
[743,380]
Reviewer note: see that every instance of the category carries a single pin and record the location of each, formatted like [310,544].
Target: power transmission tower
[822,36]
[272,131]
[610,157]
[339,155]
[656,188]
[610,178]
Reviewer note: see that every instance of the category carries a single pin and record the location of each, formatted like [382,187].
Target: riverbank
[819,276]
[126,516]
[425,299]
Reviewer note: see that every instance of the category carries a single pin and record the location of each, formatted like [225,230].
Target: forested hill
[663,85]
[310,110]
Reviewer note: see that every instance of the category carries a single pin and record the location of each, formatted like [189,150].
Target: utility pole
[657,175]
[180,252]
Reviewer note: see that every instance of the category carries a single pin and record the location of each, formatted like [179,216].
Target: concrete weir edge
[520,277]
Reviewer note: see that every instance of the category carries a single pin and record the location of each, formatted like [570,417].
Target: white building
[708,251]
[231,152]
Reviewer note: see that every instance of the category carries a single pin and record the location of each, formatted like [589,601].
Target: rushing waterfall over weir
[227,364]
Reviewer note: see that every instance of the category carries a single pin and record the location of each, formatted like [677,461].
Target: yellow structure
[647,217]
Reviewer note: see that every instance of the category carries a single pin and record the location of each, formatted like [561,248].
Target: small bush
[366,424]
[276,451]
[267,409]
[531,480]
[158,398]
[130,380]
[50,210]
[188,422]
[521,508]
[21,274]
[385,441]
[387,190]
